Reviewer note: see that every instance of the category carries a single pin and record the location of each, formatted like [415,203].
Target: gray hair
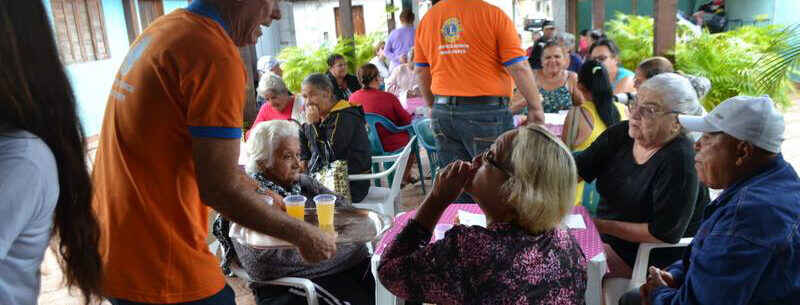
[319,81]
[567,39]
[264,140]
[675,93]
[271,83]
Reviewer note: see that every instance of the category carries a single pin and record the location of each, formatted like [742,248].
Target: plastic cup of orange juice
[325,204]
[296,206]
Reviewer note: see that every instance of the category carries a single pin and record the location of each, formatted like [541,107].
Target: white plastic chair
[300,283]
[616,287]
[381,199]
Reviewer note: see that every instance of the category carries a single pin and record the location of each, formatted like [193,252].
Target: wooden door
[358,20]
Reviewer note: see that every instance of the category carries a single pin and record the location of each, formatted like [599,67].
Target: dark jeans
[355,285]
[224,297]
[465,130]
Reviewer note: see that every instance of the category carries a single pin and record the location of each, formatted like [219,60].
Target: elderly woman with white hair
[279,104]
[644,170]
[525,183]
[274,162]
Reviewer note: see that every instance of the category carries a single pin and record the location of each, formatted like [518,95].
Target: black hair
[594,77]
[596,35]
[608,43]
[584,32]
[333,58]
[36,96]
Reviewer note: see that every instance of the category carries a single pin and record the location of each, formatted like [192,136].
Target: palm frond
[781,59]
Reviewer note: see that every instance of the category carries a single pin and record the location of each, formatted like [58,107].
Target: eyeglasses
[647,111]
[488,157]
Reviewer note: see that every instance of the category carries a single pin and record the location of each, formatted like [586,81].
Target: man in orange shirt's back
[168,151]
[467,52]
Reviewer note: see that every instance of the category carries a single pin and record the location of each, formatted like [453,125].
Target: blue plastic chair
[374,119]
[427,139]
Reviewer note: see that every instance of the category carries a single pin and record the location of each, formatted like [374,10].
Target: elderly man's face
[285,167]
[247,18]
[715,159]
[549,32]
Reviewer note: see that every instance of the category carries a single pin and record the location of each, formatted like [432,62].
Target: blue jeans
[224,297]
[463,131]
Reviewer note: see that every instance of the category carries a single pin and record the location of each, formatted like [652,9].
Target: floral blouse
[501,264]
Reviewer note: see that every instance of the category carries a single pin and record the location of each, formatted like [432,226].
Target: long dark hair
[594,77]
[35,95]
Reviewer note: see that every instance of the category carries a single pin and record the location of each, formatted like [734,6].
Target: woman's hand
[450,182]
[655,278]
[312,114]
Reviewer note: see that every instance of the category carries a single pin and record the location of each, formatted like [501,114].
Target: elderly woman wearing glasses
[525,183]
[645,175]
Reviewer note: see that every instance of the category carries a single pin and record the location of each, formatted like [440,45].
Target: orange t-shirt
[467,43]
[182,78]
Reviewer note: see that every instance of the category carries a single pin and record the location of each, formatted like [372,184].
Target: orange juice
[296,211]
[296,206]
[325,204]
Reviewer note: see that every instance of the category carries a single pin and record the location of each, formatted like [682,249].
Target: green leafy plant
[782,58]
[731,60]
[299,62]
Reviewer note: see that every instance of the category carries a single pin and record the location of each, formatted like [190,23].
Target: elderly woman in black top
[335,130]
[274,162]
[645,175]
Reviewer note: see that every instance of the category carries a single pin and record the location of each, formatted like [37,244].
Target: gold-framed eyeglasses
[647,111]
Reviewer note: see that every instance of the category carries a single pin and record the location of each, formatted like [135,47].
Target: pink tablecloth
[413,103]
[588,238]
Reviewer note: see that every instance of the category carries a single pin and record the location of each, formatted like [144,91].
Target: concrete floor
[54,292]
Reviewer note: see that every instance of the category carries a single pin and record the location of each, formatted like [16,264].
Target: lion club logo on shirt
[451,30]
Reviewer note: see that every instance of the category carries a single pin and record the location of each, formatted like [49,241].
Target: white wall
[314,18]
[91,81]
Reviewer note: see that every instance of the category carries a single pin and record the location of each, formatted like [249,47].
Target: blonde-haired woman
[522,257]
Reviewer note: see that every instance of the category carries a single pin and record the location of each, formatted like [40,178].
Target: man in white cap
[269,64]
[747,251]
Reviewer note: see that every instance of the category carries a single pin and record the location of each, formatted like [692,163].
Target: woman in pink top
[280,105]
[386,104]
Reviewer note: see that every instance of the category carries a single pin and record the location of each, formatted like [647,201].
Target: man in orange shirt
[466,53]
[168,151]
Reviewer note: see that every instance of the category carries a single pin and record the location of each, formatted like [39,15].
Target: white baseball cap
[266,63]
[747,118]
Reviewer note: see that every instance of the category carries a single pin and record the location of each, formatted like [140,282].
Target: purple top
[501,264]
[400,41]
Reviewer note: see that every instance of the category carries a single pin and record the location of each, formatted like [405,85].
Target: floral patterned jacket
[501,264]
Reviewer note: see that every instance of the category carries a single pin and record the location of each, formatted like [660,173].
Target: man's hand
[655,278]
[318,246]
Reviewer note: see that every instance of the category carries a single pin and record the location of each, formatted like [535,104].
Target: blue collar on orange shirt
[203,8]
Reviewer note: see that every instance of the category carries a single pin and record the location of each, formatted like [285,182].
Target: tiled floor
[53,291]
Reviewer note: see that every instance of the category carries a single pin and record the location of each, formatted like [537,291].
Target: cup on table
[325,203]
[296,206]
